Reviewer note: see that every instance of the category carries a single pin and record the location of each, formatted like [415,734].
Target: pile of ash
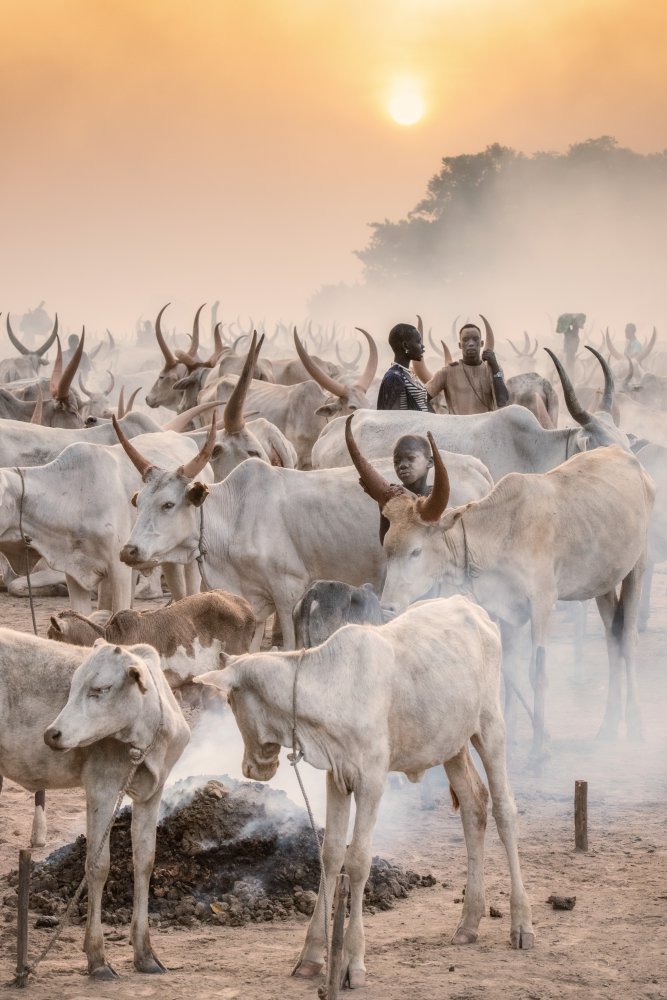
[228,852]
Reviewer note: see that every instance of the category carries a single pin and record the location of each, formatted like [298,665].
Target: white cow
[374,699]
[114,705]
[269,532]
[506,440]
[575,533]
[76,512]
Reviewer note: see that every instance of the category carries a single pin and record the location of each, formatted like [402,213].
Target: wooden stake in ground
[581,815]
[22,922]
[336,953]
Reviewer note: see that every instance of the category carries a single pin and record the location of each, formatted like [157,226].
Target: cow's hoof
[525,940]
[103,974]
[150,965]
[307,970]
[464,936]
[353,979]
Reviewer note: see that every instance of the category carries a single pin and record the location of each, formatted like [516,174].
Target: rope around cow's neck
[25,543]
[294,758]
[137,758]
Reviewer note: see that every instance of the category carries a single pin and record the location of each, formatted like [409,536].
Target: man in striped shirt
[400,388]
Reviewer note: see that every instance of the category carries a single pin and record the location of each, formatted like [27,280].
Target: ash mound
[228,852]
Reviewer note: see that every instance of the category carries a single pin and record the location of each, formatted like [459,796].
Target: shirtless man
[475,384]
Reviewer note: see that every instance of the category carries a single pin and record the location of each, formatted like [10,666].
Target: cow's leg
[629,601]
[645,603]
[120,581]
[79,597]
[38,834]
[104,595]
[144,823]
[490,745]
[192,578]
[100,800]
[173,574]
[333,853]
[538,671]
[510,635]
[358,866]
[257,637]
[473,800]
[612,717]
[284,616]
[579,612]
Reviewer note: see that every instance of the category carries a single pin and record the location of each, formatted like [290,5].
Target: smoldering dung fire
[228,852]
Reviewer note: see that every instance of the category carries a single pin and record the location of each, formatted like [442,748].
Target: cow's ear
[196,493]
[136,672]
[55,623]
[133,498]
[329,410]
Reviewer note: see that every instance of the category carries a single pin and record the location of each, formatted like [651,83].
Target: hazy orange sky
[238,149]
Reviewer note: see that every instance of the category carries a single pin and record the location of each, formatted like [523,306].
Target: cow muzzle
[131,556]
[53,739]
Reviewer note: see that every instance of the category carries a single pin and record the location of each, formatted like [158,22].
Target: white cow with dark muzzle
[110,702]
[373,699]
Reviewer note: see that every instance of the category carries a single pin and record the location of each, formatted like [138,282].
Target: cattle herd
[254,507]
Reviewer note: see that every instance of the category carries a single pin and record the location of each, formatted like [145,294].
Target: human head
[630,330]
[405,339]
[72,341]
[412,459]
[470,342]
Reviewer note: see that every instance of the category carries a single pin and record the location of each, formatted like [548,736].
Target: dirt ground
[612,944]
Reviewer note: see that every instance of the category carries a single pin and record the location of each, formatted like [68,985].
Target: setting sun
[406,105]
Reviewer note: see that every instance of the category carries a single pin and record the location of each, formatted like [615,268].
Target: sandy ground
[612,944]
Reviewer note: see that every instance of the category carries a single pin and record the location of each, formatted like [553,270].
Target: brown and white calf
[189,635]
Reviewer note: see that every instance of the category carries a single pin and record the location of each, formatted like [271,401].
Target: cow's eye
[254,454]
[168,505]
[96,692]
[415,553]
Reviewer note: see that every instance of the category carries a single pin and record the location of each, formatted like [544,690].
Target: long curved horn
[542,413]
[83,388]
[93,354]
[373,481]
[121,402]
[108,391]
[526,343]
[14,339]
[431,508]
[112,342]
[47,343]
[196,464]
[169,358]
[574,407]
[349,365]
[181,420]
[194,339]
[218,350]
[535,349]
[141,464]
[421,371]
[514,348]
[69,373]
[57,370]
[610,347]
[37,413]
[607,401]
[447,353]
[243,336]
[233,412]
[489,339]
[324,380]
[649,347]
[368,374]
[130,402]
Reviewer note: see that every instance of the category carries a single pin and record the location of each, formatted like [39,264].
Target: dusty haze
[238,151]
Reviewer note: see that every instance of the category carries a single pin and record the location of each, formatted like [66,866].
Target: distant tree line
[571,223]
